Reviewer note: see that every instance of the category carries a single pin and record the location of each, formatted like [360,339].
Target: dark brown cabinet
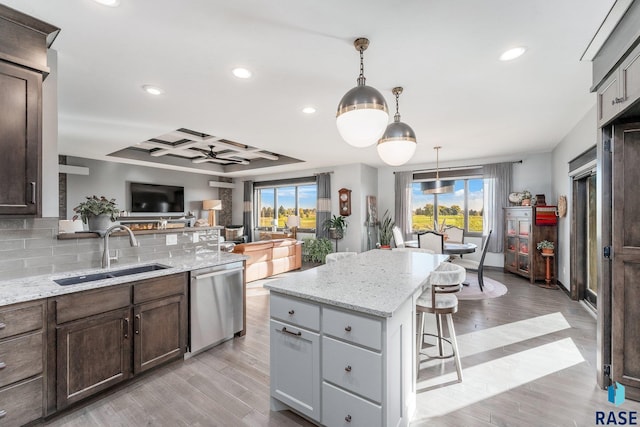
[106,336]
[23,65]
[521,235]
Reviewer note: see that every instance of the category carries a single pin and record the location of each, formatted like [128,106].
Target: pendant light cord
[361,63]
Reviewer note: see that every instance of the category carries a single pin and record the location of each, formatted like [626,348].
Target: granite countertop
[376,282]
[37,287]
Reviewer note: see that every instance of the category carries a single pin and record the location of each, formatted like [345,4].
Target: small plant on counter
[315,250]
[95,206]
[386,230]
[545,244]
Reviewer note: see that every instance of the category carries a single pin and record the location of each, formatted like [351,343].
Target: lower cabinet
[106,336]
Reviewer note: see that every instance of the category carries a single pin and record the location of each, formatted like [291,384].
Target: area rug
[492,288]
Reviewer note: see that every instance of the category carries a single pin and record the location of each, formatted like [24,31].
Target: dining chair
[337,256]
[454,234]
[431,240]
[397,236]
[438,299]
[478,266]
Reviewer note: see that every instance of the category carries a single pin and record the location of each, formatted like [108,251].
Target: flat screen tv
[156,198]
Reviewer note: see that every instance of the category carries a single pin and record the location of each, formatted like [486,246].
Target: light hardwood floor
[528,359]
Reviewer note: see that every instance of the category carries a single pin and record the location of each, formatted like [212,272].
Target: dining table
[449,248]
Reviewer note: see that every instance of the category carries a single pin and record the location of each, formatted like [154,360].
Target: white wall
[110,179]
[582,137]
[50,138]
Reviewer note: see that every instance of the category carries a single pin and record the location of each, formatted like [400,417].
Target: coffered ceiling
[457,94]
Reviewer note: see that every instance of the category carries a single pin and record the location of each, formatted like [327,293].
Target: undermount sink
[109,274]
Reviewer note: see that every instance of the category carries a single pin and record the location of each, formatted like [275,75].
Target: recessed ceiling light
[153,90]
[512,53]
[308,110]
[241,73]
[110,3]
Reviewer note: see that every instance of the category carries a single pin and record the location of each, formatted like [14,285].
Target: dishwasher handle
[218,273]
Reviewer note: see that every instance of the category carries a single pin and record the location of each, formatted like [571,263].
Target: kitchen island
[343,339]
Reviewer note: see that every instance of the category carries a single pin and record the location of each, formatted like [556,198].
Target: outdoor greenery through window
[275,204]
[463,208]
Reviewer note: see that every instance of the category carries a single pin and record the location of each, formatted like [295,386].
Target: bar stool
[438,299]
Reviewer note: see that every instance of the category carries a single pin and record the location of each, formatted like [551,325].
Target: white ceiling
[444,53]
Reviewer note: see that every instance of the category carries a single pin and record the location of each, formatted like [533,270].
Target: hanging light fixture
[398,143]
[437,186]
[362,113]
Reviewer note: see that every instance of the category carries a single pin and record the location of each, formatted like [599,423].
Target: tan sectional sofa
[270,257]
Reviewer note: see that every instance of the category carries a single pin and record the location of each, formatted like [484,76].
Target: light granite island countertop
[342,338]
[37,287]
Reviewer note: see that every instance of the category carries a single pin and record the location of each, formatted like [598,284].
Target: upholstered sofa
[270,257]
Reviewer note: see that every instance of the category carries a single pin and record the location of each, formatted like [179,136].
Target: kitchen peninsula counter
[342,338]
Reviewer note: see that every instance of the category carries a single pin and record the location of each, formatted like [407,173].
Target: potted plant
[337,226]
[385,230]
[315,250]
[545,246]
[97,212]
[525,198]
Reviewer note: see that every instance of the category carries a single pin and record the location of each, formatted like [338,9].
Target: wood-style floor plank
[510,380]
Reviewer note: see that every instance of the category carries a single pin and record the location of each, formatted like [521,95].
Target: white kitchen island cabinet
[343,339]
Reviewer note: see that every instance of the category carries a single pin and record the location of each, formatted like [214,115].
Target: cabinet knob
[348,418]
[291,312]
[348,329]
[348,368]
[3,365]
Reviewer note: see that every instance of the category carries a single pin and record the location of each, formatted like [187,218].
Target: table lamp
[212,206]
[293,222]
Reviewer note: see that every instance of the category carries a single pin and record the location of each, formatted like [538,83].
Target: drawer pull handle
[348,418]
[137,324]
[3,365]
[291,312]
[3,325]
[348,329]
[2,413]
[126,327]
[348,368]
[295,334]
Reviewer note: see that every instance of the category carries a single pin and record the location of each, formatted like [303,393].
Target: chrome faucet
[106,258]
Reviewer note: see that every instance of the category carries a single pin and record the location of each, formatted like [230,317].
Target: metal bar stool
[438,299]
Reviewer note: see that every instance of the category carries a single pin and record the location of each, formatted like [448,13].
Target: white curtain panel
[403,185]
[497,186]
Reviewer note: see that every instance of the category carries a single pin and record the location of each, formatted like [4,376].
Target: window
[275,203]
[463,208]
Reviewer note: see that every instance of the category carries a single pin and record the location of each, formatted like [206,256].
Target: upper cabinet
[621,89]
[23,66]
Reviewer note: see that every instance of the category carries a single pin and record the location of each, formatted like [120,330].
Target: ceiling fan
[211,156]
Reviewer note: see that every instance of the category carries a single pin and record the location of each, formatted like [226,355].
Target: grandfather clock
[344,201]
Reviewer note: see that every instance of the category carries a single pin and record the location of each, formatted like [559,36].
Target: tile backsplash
[30,247]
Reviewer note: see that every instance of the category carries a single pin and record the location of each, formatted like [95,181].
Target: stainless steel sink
[109,274]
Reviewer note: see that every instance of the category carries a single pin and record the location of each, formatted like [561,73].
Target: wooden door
[625,311]
[93,354]
[159,331]
[20,136]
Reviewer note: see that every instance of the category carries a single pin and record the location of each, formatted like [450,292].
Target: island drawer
[352,327]
[87,303]
[21,358]
[353,368]
[21,318]
[21,403]
[295,311]
[340,408]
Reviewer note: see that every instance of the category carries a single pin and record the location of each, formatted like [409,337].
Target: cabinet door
[93,354]
[630,79]
[20,100]
[295,368]
[159,331]
[608,105]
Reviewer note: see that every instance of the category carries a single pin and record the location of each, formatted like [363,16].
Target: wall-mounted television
[156,198]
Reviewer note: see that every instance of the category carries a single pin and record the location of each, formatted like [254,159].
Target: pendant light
[398,143]
[362,114]
[437,186]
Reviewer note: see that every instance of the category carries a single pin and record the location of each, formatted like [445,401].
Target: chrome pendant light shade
[437,186]
[398,142]
[362,114]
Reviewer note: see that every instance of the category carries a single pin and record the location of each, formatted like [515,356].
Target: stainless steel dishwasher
[216,305]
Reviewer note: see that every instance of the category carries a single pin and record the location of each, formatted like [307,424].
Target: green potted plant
[337,226]
[315,250]
[385,230]
[545,246]
[97,212]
